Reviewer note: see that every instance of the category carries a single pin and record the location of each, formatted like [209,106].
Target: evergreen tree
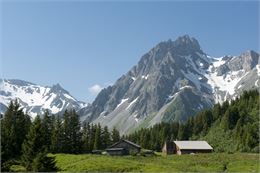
[230,118]
[115,135]
[72,134]
[97,143]
[86,138]
[33,144]
[92,136]
[105,137]
[14,127]
[57,136]
[47,126]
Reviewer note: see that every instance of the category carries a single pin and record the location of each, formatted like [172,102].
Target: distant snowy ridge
[35,98]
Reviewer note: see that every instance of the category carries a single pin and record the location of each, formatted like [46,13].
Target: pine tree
[14,127]
[72,135]
[105,137]
[115,135]
[57,136]
[47,125]
[85,137]
[97,143]
[33,144]
[92,136]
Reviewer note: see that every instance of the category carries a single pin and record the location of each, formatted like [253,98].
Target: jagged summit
[187,41]
[183,42]
[171,82]
[57,88]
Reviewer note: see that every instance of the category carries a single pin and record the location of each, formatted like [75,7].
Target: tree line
[230,127]
[28,142]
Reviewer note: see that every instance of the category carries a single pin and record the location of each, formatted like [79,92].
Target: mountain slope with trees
[230,127]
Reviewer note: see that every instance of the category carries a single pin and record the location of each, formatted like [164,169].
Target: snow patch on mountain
[258,69]
[129,106]
[122,101]
[145,77]
[133,78]
[256,83]
[34,98]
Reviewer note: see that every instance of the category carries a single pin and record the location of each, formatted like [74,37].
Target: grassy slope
[215,162]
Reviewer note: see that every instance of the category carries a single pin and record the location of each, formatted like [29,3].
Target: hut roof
[114,149]
[124,140]
[191,145]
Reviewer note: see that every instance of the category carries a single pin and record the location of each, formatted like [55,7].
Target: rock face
[172,82]
[35,99]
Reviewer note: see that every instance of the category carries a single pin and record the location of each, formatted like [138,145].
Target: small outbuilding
[123,147]
[186,147]
[168,147]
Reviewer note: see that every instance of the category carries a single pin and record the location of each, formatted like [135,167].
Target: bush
[147,153]
[6,166]
[43,163]
[133,152]
[17,168]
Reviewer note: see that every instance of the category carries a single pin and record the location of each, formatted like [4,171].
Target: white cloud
[95,89]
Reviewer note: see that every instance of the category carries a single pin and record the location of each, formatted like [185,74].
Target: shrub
[43,163]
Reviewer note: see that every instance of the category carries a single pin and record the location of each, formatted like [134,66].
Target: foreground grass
[215,162]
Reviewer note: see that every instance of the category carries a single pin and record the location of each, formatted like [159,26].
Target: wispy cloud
[95,89]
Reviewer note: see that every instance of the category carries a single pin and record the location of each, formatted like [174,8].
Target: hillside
[230,127]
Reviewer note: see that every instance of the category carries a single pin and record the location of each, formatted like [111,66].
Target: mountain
[35,98]
[172,82]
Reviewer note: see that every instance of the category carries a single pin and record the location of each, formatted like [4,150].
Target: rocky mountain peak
[171,82]
[187,42]
[58,89]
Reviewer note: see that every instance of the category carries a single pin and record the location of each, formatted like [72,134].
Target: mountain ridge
[35,99]
[168,71]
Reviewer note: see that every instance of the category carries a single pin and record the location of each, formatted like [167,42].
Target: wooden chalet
[186,147]
[123,147]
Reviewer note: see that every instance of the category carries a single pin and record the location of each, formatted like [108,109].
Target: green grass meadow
[214,162]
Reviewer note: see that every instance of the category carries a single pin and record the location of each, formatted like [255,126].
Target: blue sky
[86,45]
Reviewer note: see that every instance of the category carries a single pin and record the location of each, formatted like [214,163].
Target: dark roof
[115,149]
[124,140]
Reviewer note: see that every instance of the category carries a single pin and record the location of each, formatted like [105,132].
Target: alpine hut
[186,147]
[123,147]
